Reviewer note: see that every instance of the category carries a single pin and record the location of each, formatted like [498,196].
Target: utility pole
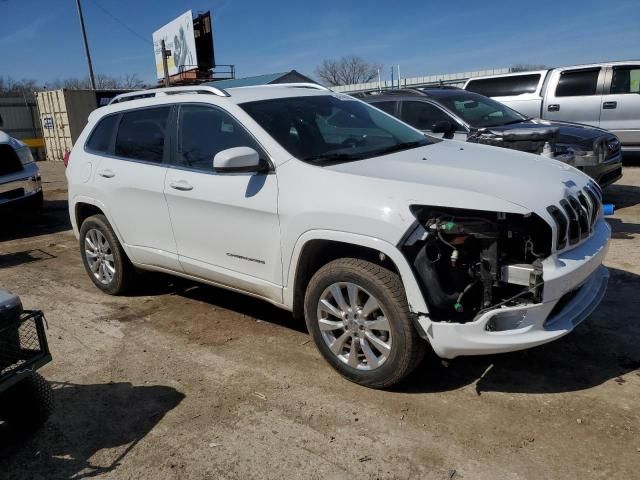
[165,54]
[86,46]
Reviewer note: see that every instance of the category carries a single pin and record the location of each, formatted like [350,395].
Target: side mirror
[237,159]
[444,126]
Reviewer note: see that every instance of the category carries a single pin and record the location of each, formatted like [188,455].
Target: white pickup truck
[605,95]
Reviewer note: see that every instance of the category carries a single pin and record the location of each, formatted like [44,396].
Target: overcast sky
[41,39]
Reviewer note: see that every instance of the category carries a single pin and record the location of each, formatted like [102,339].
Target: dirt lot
[189,381]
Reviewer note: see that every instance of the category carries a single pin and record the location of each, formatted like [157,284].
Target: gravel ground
[189,381]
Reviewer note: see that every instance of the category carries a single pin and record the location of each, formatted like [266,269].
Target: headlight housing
[22,150]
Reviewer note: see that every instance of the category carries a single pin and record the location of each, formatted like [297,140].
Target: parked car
[26,399]
[605,95]
[467,116]
[20,187]
[383,239]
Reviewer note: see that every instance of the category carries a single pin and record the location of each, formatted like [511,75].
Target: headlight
[24,154]
[22,150]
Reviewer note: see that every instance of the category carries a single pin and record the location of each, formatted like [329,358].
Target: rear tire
[27,404]
[358,316]
[103,257]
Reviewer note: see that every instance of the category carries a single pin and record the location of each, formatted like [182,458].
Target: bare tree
[527,67]
[347,70]
[10,87]
[131,80]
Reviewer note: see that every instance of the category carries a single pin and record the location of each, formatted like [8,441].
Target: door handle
[609,105]
[181,185]
[554,107]
[106,173]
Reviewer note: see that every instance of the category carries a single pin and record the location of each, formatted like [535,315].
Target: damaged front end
[470,261]
[568,144]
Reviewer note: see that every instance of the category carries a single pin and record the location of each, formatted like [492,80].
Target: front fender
[411,287]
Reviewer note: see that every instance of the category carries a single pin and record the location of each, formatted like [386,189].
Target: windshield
[332,128]
[478,110]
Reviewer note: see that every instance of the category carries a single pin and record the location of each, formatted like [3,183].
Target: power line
[131,30]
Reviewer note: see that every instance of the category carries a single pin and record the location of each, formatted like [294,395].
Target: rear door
[575,95]
[621,103]
[130,179]
[387,106]
[226,224]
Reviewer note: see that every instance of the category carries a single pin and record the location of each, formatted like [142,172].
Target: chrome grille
[576,215]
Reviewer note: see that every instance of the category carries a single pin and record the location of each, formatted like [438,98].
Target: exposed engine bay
[468,261]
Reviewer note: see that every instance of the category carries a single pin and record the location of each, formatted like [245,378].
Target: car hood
[569,133]
[442,174]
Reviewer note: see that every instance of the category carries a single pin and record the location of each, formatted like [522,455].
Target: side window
[422,115]
[141,134]
[101,136]
[625,80]
[204,131]
[505,86]
[387,107]
[574,83]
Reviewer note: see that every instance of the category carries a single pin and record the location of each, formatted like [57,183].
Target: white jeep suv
[384,239]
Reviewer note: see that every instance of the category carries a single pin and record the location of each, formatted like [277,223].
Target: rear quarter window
[100,139]
[505,86]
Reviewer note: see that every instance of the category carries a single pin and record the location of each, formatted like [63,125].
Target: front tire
[358,316]
[104,259]
[27,404]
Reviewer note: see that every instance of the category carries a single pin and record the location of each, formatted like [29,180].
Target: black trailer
[26,399]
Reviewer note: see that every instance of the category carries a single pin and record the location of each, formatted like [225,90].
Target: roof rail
[313,86]
[389,91]
[154,92]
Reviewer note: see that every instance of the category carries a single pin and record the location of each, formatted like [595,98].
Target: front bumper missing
[575,283]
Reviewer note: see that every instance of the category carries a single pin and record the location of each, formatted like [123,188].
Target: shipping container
[64,113]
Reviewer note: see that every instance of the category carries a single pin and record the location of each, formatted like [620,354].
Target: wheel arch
[83,208]
[315,248]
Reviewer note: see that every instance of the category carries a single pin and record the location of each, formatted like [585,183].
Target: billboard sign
[179,38]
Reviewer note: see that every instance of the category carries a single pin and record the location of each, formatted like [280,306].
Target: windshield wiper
[526,119]
[401,146]
[333,157]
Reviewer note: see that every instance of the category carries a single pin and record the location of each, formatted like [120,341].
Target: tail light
[65,159]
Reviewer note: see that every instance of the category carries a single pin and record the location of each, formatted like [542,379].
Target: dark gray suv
[457,114]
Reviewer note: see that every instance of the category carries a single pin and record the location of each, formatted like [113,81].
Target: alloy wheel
[99,256]
[354,326]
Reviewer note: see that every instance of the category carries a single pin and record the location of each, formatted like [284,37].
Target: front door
[225,224]
[621,104]
[423,115]
[577,96]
